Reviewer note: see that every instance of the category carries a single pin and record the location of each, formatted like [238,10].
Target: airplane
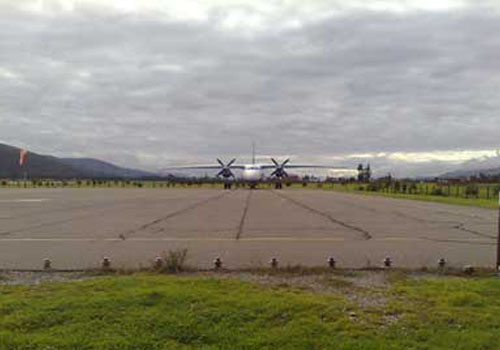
[253,174]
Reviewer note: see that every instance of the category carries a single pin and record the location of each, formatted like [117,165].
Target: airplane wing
[304,166]
[281,166]
[201,167]
[221,165]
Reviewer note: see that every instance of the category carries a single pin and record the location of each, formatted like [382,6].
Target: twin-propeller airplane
[253,174]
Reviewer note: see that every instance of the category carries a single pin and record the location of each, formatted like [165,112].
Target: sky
[413,87]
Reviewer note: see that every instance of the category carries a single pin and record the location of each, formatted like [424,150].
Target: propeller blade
[285,174]
[285,162]
[231,162]
[275,162]
[220,173]
[220,162]
[274,173]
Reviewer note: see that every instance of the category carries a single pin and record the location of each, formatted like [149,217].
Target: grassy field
[207,312]
[491,203]
[487,195]
[104,184]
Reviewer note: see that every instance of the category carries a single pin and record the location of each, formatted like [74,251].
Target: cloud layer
[153,84]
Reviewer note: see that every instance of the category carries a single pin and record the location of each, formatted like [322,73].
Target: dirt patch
[36,277]
[365,288]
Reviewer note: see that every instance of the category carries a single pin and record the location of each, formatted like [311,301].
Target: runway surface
[75,228]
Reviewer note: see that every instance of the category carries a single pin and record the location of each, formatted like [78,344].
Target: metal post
[498,236]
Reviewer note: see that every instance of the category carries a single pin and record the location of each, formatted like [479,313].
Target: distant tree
[368,173]
[361,173]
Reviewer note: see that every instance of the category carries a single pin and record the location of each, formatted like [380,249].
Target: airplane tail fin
[253,152]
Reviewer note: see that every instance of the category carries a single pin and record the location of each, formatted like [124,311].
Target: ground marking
[247,239]
[27,200]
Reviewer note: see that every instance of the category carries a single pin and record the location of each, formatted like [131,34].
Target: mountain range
[464,173]
[489,166]
[45,166]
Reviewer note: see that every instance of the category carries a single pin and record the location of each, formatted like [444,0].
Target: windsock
[22,156]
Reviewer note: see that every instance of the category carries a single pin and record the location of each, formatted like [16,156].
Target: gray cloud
[147,90]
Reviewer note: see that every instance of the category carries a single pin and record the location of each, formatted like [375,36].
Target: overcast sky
[411,86]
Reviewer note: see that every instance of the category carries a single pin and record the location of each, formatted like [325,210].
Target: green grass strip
[168,312]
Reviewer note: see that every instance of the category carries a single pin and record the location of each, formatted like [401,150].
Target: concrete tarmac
[76,228]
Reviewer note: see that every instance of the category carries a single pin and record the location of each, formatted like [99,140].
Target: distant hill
[99,168]
[489,166]
[44,166]
[459,174]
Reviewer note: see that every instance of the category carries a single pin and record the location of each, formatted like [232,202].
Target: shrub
[437,191]
[472,190]
[175,260]
[413,188]
[397,186]
[496,191]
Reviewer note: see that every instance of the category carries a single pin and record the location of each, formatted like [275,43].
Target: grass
[482,202]
[105,184]
[471,202]
[146,311]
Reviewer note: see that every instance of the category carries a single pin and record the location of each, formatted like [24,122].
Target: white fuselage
[253,173]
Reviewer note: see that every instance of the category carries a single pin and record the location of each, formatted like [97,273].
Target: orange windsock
[22,156]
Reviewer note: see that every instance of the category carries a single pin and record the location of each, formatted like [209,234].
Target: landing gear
[227,186]
[278,185]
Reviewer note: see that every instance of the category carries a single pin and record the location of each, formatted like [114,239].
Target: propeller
[279,171]
[226,172]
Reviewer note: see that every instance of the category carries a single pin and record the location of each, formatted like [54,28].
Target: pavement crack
[461,227]
[244,215]
[366,235]
[126,235]
[43,225]
[72,218]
